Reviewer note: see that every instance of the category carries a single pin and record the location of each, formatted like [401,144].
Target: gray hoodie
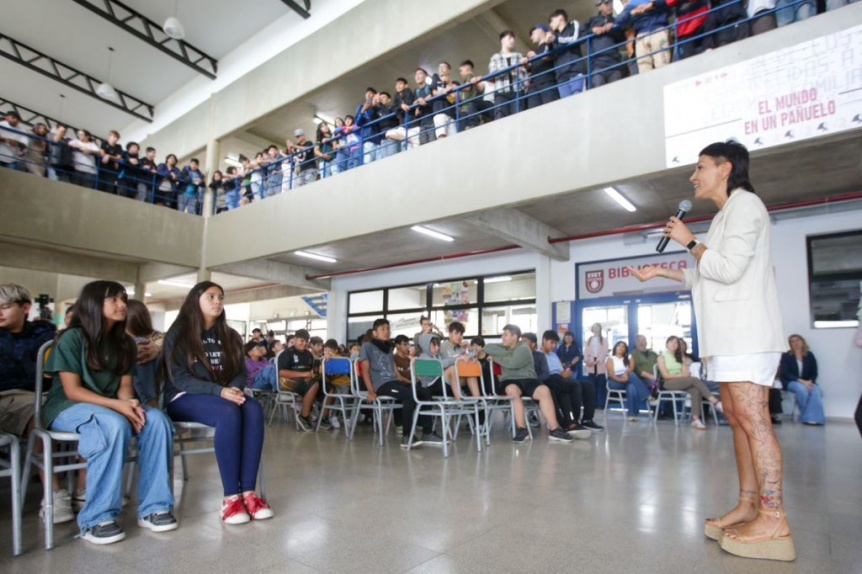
[425,347]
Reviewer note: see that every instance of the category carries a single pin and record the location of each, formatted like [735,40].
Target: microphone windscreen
[685,205]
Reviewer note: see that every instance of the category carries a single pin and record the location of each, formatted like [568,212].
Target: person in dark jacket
[543,80]
[649,18]
[606,64]
[205,375]
[691,19]
[168,177]
[369,130]
[798,374]
[569,63]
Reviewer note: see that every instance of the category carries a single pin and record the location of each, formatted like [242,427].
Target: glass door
[660,320]
[614,320]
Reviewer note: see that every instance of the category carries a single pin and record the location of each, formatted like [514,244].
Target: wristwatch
[692,244]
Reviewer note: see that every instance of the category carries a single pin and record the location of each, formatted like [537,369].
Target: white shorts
[759,368]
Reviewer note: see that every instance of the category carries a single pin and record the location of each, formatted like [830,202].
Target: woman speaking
[739,329]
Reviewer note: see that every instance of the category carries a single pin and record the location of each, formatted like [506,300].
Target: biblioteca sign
[612,278]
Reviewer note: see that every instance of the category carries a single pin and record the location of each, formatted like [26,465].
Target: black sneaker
[304,423]
[158,522]
[405,442]
[432,439]
[559,435]
[325,424]
[534,420]
[592,426]
[521,435]
[579,432]
[104,533]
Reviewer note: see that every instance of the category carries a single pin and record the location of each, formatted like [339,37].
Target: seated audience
[381,378]
[296,374]
[798,373]
[94,363]
[583,393]
[676,376]
[519,379]
[621,377]
[205,381]
[149,342]
[645,361]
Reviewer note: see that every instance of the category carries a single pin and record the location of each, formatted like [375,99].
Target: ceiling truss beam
[150,32]
[304,12]
[71,77]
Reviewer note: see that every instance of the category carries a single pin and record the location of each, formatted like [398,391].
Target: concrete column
[212,153]
[140,291]
[204,274]
[543,293]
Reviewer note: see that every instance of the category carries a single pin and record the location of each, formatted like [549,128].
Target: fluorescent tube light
[501,279]
[176,283]
[323,258]
[622,201]
[432,233]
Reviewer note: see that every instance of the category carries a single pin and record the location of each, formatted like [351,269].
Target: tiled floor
[632,499]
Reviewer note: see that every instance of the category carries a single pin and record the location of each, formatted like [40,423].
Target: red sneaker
[257,507]
[234,512]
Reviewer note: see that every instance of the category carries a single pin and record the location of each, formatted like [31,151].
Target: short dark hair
[331,344]
[468,63]
[242,158]
[447,64]
[514,329]
[423,70]
[114,133]
[479,341]
[130,144]
[370,90]
[550,335]
[379,323]
[505,33]
[456,327]
[315,341]
[387,94]
[737,155]
[399,79]
[423,318]
[194,160]
[251,345]
[256,330]
[401,339]
[530,337]
[273,146]
[151,149]
[559,12]
[170,155]
[301,334]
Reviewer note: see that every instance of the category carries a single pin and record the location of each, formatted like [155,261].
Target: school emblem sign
[595,281]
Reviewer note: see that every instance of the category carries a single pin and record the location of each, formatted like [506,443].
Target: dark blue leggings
[238,435]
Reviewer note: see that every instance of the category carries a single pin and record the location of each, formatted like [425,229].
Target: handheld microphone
[684,207]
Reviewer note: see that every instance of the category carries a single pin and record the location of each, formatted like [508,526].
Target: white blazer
[733,286]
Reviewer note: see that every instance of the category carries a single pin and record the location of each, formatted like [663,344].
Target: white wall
[839,361]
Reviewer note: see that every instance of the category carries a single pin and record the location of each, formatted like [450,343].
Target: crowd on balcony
[567,57]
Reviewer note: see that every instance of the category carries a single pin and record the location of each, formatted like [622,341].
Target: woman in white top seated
[621,377]
[676,376]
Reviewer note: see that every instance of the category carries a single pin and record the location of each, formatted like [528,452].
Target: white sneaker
[336,424]
[698,425]
[718,407]
[62,507]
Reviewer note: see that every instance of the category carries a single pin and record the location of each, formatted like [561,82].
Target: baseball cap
[600,2]
[543,27]
[296,133]
[301,334]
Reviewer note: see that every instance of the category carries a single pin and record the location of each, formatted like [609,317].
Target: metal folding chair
[378,407]
[445,408]
[343,403]
[11,467]
[492,402]
[45,460]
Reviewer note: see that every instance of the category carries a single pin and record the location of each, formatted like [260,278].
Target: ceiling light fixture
[432,233]
[315,256]
[173,28]
[622,201]
[232,161]
[105,90]
[501,279]
[131,292]
[176,283]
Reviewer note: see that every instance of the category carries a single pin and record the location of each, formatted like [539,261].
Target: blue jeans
[105,438]
[599,383]
[187,204]
[238,435]
[370,151]
[810,402]
[636,393]
[266,379]
[788,12]
[572,86]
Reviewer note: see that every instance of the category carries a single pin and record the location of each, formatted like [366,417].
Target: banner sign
[796,93]
[613,278]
